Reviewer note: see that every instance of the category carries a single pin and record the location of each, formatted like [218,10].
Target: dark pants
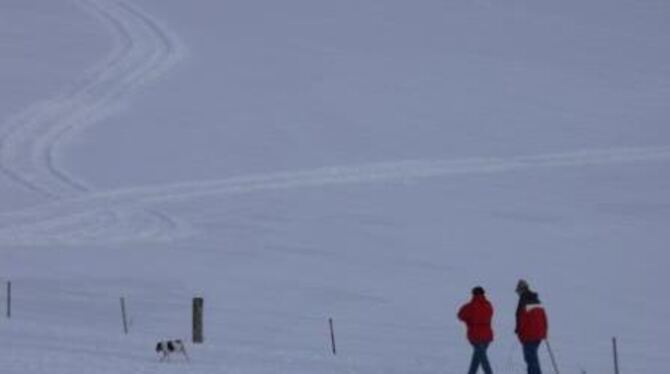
[479,358]
[531,358]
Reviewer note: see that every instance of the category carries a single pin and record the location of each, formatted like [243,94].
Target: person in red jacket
[477,315]
[531,327]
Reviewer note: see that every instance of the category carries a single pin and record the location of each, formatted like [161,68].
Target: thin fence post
[198,304]
[9,299]
[123,315]
[332,336]
[615,352]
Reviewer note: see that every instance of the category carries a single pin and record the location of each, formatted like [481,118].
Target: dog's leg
[183,350]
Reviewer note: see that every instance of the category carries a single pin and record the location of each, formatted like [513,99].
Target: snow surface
[298,160]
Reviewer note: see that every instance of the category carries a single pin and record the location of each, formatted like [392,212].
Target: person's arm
[463,313]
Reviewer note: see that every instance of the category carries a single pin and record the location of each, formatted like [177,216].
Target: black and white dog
[167,347]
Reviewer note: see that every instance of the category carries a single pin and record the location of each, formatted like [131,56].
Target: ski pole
[551,356]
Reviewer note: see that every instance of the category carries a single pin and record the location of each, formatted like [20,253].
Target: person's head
[478,291]
[522,286]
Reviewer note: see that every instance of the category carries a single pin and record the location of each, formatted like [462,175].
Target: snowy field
[367,161]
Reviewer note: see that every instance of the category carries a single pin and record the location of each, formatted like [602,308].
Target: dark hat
[478,291]
[522,286]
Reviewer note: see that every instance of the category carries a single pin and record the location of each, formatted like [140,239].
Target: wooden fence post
[332,336]
[198,305]
[123,315]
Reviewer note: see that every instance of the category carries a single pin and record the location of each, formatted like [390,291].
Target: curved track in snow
[29,141]
[143,51]
[74,222]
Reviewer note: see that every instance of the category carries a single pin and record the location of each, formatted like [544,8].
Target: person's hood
[531,297]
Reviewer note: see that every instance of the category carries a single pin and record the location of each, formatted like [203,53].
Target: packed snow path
[29,141]
[78,220]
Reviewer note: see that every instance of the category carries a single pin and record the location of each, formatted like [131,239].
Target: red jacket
[532,324]
[477,315]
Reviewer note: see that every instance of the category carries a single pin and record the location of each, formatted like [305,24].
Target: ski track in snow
[143,51]
[74,221]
